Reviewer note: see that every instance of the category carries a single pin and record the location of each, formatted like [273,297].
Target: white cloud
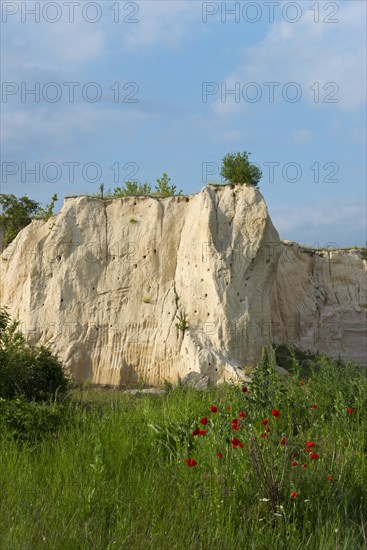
[307,52]
[340,220]
[161,23]
[302,136]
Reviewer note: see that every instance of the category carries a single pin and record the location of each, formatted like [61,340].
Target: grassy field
[109,470]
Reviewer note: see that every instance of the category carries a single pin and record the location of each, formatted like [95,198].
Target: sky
[111,91]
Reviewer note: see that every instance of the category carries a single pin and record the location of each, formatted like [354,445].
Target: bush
[33,372]
[236,168]
[16,214]
[26,420]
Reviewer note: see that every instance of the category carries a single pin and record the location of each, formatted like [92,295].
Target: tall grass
[113,475]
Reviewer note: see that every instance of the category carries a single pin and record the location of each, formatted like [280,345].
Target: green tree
[132,188]
[236,168]
[163,189]
[48,210]
[16,214]
[30,371]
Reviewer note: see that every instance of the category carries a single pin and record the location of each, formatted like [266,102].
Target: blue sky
[296,69]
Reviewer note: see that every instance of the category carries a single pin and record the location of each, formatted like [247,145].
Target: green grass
[113,475]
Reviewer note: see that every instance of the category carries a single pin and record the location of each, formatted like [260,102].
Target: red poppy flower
[294,495]
[235,426]
[213,409]
[304,465]
[191,462]
[264,434]
[196,432]
[314,456]
[244,389]
[314,406]
[283,441]
[235,421]
[242,414]
[350,410]
[302,383]
[275,413]
[228,407]
[310,444]
[294,455]
[268,429]
[265,422]
[236,443]
[294,463]
[330,478]
[204,420]
[220,455]
[202,432]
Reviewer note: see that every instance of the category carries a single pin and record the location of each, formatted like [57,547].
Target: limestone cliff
[319,301]
[104,283]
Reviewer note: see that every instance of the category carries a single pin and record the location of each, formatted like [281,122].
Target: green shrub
[26,420]
[236,168]
[163,189]
[30,371]
[16,214]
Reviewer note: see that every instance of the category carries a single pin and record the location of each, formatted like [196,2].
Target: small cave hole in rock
[187,199]
[144,257]
[155,251]
[205,295]
[135,266]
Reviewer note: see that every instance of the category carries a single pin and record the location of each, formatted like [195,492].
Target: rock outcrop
[319,301]
[111,284]
[151,289]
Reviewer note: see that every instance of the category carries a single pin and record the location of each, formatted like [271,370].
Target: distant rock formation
[151,289]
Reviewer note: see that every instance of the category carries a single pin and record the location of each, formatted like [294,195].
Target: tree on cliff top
[236,168]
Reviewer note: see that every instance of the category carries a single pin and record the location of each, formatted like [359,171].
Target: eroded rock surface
[104,281]
[319,301]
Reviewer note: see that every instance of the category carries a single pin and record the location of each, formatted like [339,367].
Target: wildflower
[294,463]
[244,389]
[264,434]
[242,414]
[228,407]
[314,406]
[330,478]
[191,462]
[302,383]
[213,409]
[310,444]
[350,410]
[294,455]
[204,420]
[268,429]
[235,426]
[314,456]
[264,500]
[235,421]
[220,455]
[283,441]
[294,495]
[265,422]
[275,413]
[236,443]
[202,432]
[196,432]
[304,465]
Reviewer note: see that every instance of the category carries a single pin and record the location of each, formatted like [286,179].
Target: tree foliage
[16,214]
[26,370]
[236,168]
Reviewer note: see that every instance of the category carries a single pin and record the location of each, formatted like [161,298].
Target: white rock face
[104,281]
[319,302]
